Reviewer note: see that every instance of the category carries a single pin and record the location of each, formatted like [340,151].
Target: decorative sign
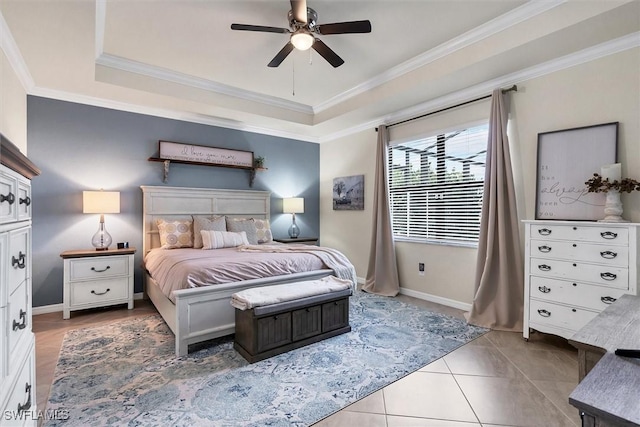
[205,155]
[566,159]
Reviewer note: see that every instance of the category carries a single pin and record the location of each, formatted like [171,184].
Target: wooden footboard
[201,314]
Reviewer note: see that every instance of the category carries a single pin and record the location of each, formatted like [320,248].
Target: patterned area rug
[126,373]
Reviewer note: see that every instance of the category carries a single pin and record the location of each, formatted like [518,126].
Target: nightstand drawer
[97,268]
[97,293]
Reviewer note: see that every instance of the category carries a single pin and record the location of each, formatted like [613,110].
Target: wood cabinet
[574,270]
[97,279]
[17,342]
[270,330]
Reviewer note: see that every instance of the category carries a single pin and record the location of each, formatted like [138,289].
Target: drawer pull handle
[23,322]
[20,261]
[27,404]
[544,313]
[544,267]
[100,293]
[544,289]
[544,231]
[610,235]
[608,254]
[100,271]
[8,198]
[26,201]
[608,300]
[544,248]
[608,276]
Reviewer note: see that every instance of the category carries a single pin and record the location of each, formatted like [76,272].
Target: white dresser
[574,270]
[17,342]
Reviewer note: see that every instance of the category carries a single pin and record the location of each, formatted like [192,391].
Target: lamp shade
[101,202]
[293,205]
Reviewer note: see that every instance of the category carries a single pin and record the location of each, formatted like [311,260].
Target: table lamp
[293,205]
[101,202]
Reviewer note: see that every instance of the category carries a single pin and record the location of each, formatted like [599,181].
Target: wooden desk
[609,390]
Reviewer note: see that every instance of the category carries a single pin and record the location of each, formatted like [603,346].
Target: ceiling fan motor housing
[310,25]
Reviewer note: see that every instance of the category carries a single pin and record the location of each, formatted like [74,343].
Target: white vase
[613,207]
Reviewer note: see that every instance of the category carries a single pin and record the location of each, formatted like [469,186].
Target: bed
[199,314]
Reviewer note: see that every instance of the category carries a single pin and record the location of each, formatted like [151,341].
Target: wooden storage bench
[266,331]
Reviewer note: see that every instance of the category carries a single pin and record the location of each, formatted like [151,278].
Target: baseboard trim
[434,298]
[53,308]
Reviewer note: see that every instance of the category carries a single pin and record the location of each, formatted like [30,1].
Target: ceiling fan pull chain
[310,58]
[293,78]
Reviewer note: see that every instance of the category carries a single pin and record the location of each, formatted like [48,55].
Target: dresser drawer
[580,251]
[19,258]
[19,321]
[23,200]
[604,234]
[97,268]
[560,316]
[573,293]
[9,202]
[97,293]
[23,395]
[611,276]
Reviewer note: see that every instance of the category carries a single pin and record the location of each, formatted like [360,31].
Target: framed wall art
[566,159]
[205,155]
[348,193]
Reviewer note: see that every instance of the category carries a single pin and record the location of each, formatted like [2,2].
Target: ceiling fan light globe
[302,40]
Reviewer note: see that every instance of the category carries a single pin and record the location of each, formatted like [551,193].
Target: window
[436,185]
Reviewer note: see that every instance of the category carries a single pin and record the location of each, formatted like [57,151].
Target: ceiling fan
[302,27]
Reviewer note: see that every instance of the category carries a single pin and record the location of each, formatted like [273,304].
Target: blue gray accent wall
[80,147]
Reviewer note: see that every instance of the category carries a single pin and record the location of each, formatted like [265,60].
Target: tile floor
[496,380]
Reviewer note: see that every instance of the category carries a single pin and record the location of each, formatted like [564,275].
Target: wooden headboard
[182,202]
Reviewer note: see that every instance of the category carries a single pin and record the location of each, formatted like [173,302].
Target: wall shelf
[167,163]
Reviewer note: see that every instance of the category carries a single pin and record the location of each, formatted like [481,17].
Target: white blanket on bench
[267,295]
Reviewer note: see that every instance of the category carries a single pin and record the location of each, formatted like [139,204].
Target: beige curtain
[499,293]
[382,274]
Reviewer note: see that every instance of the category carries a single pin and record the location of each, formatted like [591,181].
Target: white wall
[13,105]
[601,91]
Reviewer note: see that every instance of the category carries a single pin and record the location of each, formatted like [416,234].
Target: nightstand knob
[100,271]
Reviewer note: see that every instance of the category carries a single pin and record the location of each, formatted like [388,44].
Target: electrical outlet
[421,268]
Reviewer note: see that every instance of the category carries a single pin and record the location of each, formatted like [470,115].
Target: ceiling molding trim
[101,19]
[128,65]
[167,114]
[602,50]
[10,48]
[496,25]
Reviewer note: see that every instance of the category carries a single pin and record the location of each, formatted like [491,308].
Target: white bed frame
[201,314]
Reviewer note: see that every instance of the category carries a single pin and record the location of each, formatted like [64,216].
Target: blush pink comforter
[175,269]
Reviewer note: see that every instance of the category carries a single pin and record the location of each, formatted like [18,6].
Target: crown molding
[602,50]
[10,48]
[496,25]
[128,65]
[167,113]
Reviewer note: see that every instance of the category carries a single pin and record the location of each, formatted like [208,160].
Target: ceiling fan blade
[324,51]
[299,9]
[345,27]
[263,29]
[284,52]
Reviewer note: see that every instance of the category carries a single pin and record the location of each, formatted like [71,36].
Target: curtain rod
[512,88]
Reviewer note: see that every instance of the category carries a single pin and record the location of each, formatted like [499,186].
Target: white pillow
[212,239]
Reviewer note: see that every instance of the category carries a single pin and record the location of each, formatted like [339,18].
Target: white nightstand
[97,279]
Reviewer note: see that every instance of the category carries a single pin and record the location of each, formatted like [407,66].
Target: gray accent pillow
[247,225]
[207,223]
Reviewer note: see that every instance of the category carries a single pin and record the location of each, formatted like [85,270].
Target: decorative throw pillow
[263,230]
[222,239]
[247,225]
[201,222]
[175,234]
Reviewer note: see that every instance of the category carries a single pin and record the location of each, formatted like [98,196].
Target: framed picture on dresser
[566,159]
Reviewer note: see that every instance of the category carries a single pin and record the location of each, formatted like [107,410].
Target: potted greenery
[258,162]
[612,189]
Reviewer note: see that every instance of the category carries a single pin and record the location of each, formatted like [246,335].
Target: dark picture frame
[348,193]
[566,159]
